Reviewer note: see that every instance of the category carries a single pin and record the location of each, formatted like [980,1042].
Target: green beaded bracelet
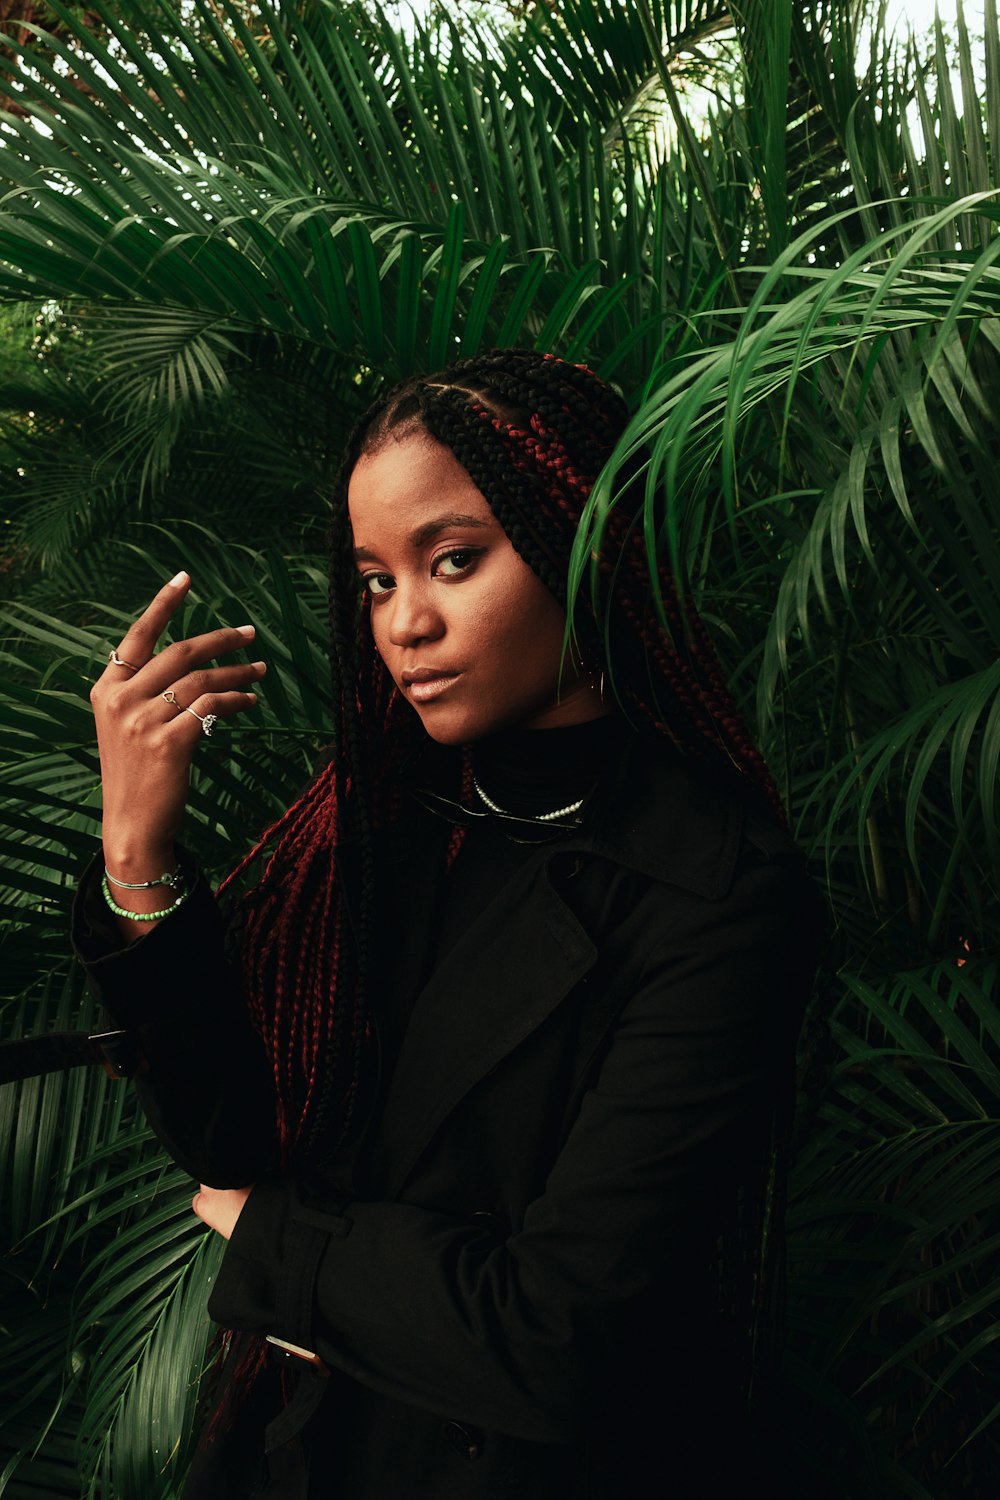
[140,916]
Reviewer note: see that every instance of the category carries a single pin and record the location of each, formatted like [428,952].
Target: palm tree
[234,225]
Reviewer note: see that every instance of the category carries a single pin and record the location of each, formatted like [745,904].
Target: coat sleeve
[437,1312]
[207,1091]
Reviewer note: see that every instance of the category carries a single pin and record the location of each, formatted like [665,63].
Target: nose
[413,615]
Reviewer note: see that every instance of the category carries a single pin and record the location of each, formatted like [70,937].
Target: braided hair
[533,432]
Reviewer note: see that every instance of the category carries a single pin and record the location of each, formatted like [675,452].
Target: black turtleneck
[532,771]
[527,772]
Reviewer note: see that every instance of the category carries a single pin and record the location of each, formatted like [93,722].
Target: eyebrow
[427,533]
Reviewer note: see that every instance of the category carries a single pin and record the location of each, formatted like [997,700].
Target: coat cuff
[266,1283]
[136,981]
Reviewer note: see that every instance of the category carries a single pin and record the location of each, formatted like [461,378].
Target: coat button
[465,1440]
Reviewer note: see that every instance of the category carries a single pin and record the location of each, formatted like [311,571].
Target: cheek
[524,624]
[377,626]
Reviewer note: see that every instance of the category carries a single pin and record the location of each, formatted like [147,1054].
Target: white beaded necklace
[549,817]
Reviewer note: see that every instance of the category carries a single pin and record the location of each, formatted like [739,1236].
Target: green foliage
[108,1269]
[237,224]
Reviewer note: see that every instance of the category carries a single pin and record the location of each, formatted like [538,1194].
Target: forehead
[407,483]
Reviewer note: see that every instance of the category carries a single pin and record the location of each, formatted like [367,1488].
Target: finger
[182,658]
[140,639]
[217,680]
[221,705]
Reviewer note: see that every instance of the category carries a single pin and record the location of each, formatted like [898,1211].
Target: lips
[424,683]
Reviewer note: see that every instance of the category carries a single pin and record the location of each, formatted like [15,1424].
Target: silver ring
[207,721]
[171,697]
[116,661]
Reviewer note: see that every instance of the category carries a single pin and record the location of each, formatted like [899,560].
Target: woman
[485,1086]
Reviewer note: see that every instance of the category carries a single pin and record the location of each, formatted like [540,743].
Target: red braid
[466,794]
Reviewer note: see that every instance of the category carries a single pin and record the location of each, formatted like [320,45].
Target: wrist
[139,863]
[170,880]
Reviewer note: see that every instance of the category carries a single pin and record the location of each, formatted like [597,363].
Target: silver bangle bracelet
[174,881]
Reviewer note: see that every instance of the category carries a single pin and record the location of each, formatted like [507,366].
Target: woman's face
[472,638]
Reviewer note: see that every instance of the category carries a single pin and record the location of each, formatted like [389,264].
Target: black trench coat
[524,1299]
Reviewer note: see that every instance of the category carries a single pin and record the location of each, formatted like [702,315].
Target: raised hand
[152,709]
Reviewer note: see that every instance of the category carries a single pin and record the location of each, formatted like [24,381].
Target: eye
[378,584]
[456,562]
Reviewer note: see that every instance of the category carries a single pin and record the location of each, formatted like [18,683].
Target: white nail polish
[247,630]
[178,579]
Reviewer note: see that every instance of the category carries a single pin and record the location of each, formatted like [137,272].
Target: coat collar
[654,814]
[660,818]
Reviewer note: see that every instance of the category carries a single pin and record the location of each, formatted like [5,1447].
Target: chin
[446,728]
[446,735]
[442,727]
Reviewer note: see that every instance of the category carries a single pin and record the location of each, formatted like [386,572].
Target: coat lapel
[526,951]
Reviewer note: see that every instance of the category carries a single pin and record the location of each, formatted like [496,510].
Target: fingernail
[247,630]
[259,666]
[178,579]
[251,697]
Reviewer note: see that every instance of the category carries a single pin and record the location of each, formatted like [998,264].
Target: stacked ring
[207,721]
